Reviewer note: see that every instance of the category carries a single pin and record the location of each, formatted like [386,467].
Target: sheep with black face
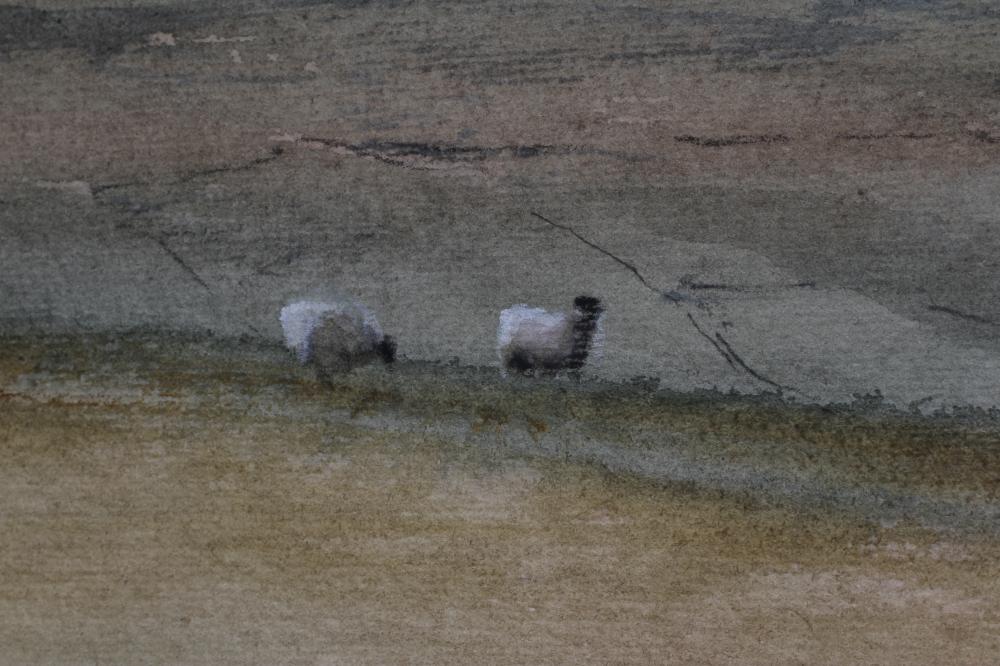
[335,337]
[535,341]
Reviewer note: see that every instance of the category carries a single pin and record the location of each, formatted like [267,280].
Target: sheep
[532,340]
[335,337]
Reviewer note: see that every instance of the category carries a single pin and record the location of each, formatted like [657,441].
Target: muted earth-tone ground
[822,174]
[185,501]
[793,199]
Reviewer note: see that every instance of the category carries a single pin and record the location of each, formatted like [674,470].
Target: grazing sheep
[532,340]
[335,337]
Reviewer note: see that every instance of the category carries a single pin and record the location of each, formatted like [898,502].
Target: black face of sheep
[533,341]
[588,304]
[586,317]
[387,349]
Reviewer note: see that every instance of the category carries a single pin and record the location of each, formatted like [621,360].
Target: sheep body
[532,339]
[334,337]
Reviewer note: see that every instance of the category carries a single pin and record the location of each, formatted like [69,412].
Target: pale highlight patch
[534,327]
[834,592]
[215,39]
[69,186]
[538,329]
[494,497]
[286,137]
[161,39]
[896,550]
[300,319]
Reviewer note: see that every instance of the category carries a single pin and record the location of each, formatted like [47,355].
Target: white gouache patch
[539,329]
[215,39]
[161,39]
[300,319]
[521,321]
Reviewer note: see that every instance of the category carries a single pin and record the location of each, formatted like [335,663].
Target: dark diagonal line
[720,344]
[619,260]
[750,371]
[711,340]
[183,264]
[958,313]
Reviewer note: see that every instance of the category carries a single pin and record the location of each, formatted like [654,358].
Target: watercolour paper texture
[376,332]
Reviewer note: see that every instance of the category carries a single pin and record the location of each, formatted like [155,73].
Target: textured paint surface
[815,182]
[180,501]
[788,210]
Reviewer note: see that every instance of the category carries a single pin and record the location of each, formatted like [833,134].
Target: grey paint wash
[402,155]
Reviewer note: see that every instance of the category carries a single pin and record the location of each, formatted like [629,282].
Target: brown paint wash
[177,501]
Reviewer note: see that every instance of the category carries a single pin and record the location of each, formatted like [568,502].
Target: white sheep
[533,340]
[335,337]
